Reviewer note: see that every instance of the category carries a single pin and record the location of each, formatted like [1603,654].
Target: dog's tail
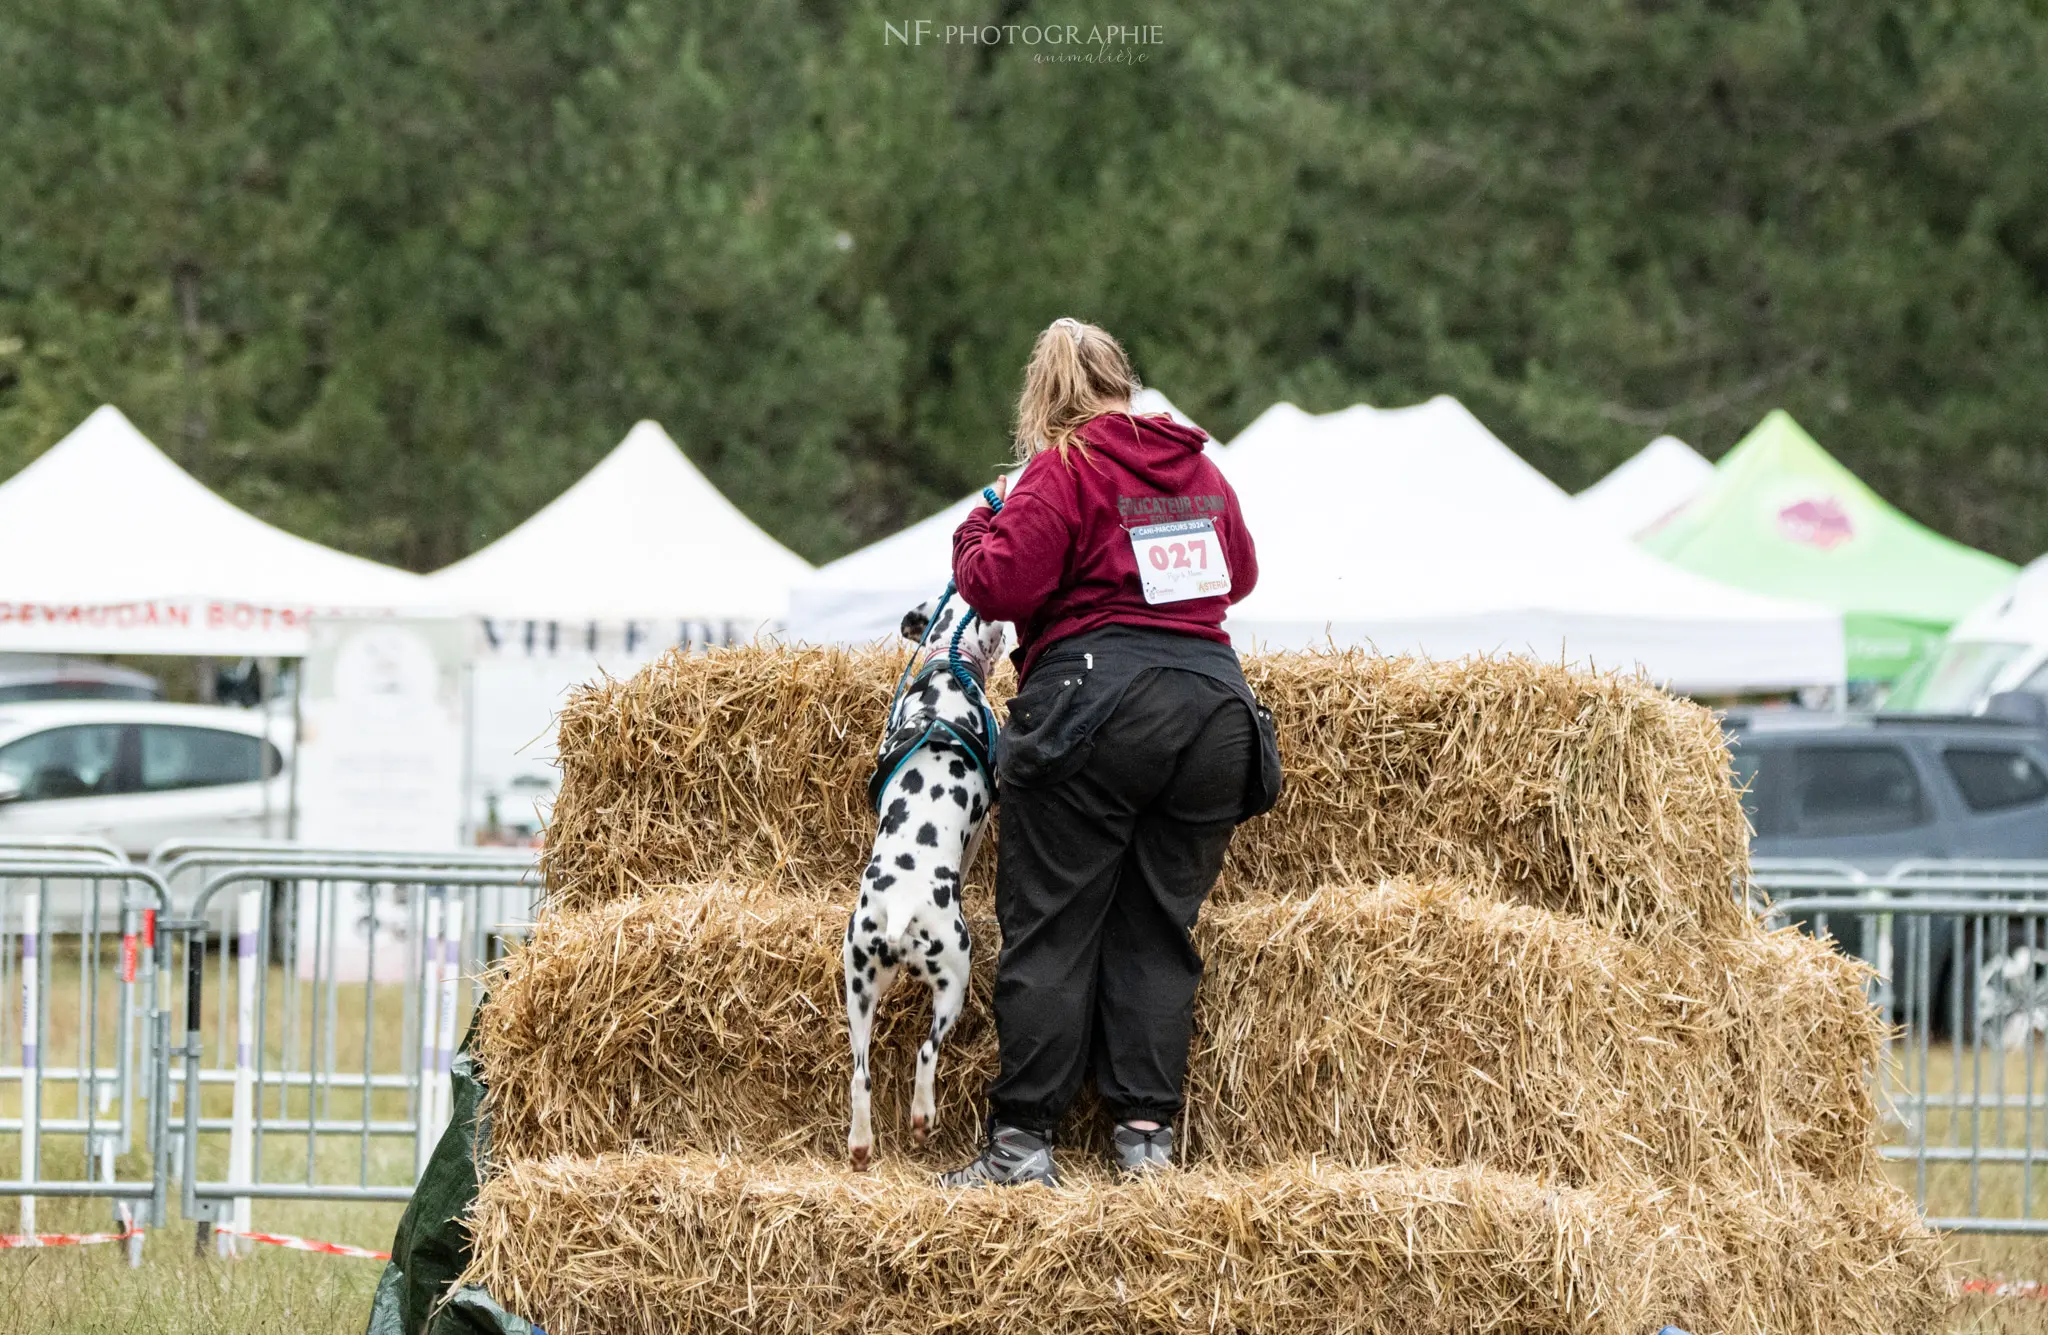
[887,924]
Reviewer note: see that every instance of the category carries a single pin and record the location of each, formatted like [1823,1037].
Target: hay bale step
[1599,796]
[660,1245]
[1363,1025]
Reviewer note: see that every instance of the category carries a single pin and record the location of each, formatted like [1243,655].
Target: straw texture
[1412,1022]
[1599,796]
[656,1244]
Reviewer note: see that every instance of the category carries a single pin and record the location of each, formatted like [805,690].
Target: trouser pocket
[1045,740]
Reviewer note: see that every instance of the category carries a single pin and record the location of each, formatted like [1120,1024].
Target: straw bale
[1596,795]
[1412,1022]
[657,1244]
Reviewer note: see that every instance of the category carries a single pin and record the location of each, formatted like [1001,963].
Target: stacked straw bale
[1484,1041]
[1412,1022]
[694,1243]
[1598,796]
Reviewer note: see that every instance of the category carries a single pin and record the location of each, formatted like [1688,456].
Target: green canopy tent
[1781,517]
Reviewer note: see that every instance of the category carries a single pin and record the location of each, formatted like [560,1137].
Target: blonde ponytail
[1077,371]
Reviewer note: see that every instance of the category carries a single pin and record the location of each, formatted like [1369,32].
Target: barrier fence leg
[126,1215]
[242,1132]
[31,1054]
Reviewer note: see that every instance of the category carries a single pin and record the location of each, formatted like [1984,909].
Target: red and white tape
[2006,1288]
[291,1243]
[12,1240]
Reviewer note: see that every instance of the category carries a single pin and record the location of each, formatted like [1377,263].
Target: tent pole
[263,756]
[291,806]
[466,828]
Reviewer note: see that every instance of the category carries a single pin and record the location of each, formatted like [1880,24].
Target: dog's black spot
[965,944]
[913,782]
[935,949]
[942,894]
[978,810]
[958,769]
[884,882]
[855,984]
[960,797]
[888,956]
[867,924]
[860,958]
[863,1007]
[906,862]
[944,983]
[928,835]
[893,819]
[874,868]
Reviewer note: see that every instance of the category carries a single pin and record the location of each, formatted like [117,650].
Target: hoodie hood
[1136,435]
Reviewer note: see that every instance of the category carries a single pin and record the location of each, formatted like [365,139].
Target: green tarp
[432,1246]
[1781,517]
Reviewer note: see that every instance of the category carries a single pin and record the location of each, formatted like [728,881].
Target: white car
[138,773]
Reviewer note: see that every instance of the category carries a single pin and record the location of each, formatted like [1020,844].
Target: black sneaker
[1138,1152]
[1013,1158]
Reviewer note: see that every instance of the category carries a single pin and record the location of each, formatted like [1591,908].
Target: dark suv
[1872,792]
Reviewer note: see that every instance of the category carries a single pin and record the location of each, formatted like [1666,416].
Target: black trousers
[1099,880]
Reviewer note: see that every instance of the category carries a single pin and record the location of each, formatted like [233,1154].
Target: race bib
[1179,561]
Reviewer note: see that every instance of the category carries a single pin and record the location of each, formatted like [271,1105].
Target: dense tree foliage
[394,273]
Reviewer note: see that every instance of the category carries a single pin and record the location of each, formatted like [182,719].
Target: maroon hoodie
[1059,559]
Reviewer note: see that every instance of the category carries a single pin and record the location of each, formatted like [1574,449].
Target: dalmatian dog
[932,792]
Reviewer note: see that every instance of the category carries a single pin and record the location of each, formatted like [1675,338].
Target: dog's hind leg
[861,999]
[949,993]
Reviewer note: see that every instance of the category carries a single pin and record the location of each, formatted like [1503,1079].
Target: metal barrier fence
[336,1026]
[188,866]
[81,1032]
[311,1063]
[1961,958]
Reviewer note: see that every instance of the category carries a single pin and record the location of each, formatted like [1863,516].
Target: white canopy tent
[643,536]
[107,546]
[1653,484]
[1416,530]
[862,597]
[643,553]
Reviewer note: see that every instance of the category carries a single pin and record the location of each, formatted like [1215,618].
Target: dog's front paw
[920,1129]
[858,1156]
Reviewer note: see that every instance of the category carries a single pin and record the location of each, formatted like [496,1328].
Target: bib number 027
[1179,561]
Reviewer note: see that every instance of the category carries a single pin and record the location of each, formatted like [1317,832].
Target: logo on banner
[1821,524]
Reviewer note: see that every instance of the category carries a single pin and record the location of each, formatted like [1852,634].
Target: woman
[1132,751]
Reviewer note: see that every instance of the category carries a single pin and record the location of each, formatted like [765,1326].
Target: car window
[72,690]
[1758,773]
[1856,790]
[1995,778]
[179,757]
[82,761]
